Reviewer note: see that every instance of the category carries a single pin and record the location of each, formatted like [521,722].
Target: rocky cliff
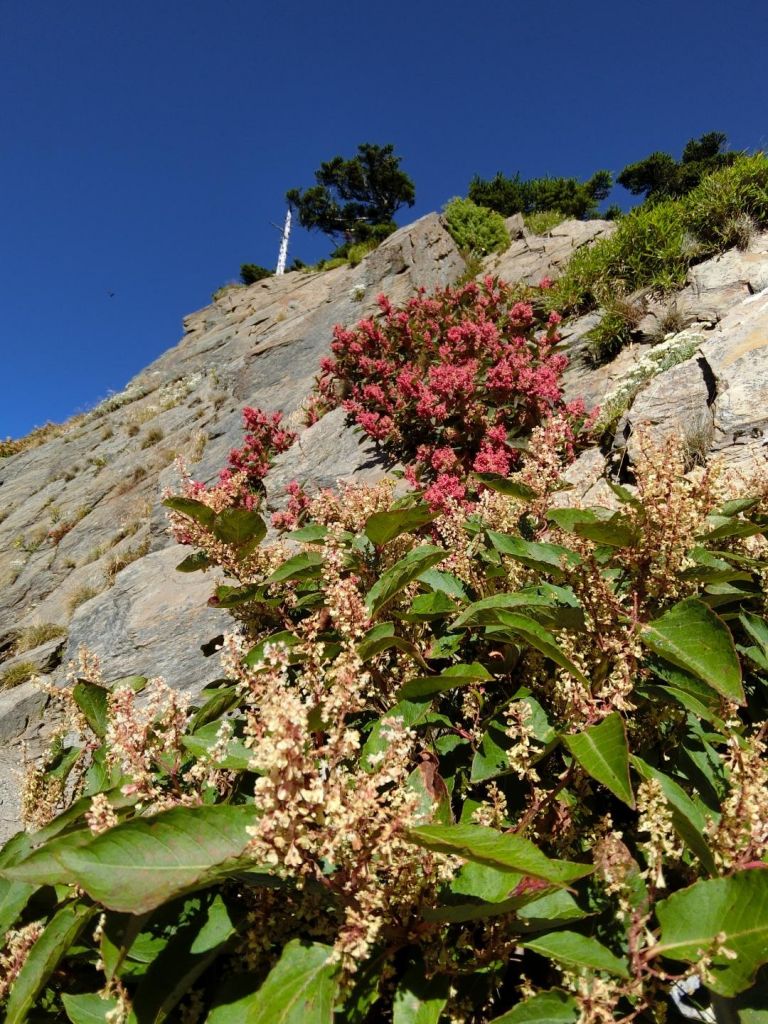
[83,545]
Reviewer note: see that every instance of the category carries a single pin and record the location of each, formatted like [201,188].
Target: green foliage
[475,229]
[332,263]
[715,211]
[609,336]
[250,273]
[568,196]
[453,750]
[355,197]
[543,222]
[360,250]
[660,176]
[654,245]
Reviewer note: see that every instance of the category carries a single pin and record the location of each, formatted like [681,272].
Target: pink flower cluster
[298,503]
[264,439]
[448,381]
[239,485]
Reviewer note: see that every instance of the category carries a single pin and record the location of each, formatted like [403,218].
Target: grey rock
[152,622]
[532,257]
[716,401]
[323,455]
[515,225]
[45,658]
[676,403]
[588,484]
[713,288]
[20,707]
[21,711]
[737,357]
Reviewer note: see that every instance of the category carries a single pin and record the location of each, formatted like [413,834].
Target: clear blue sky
[146,146]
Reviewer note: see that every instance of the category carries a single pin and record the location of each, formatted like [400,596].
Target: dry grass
[152,437]
[131,480]
[38,436]
[79,596]
[698,435]
[17,674]
[120,560]
[34,636]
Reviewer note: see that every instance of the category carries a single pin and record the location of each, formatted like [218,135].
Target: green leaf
[14,896]
[485,883]
[497,850]
[435,605]
[757,628]
[547,558]
[524,628]
[576,950]
[737,505]
[192,509]
[434,799]
[397,578]
[484,611]
[550,908]
[382,527]
[88,1009]
[419,1000]
[313,533]
[232,597]
[136,683]
[237,757]
[306,563]
[449,679]
[693,637]
[599,525]
[92,701]
[411,713]
[602,752]
[553,1007]
[687,819]
[238,526]
[144,862]
[194,562]
[726,526]
[381,637]
[443,583]
[200,939]
[255,656]
[300,989]
[60,933]
[490,759]
[504,485]
[221,700]
[735,909]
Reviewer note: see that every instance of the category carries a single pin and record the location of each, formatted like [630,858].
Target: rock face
[718,399]
[83,542]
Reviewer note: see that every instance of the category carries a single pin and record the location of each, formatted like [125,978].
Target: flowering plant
[456,770]
[451,383]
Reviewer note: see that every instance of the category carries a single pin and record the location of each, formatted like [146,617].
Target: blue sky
[147,146]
